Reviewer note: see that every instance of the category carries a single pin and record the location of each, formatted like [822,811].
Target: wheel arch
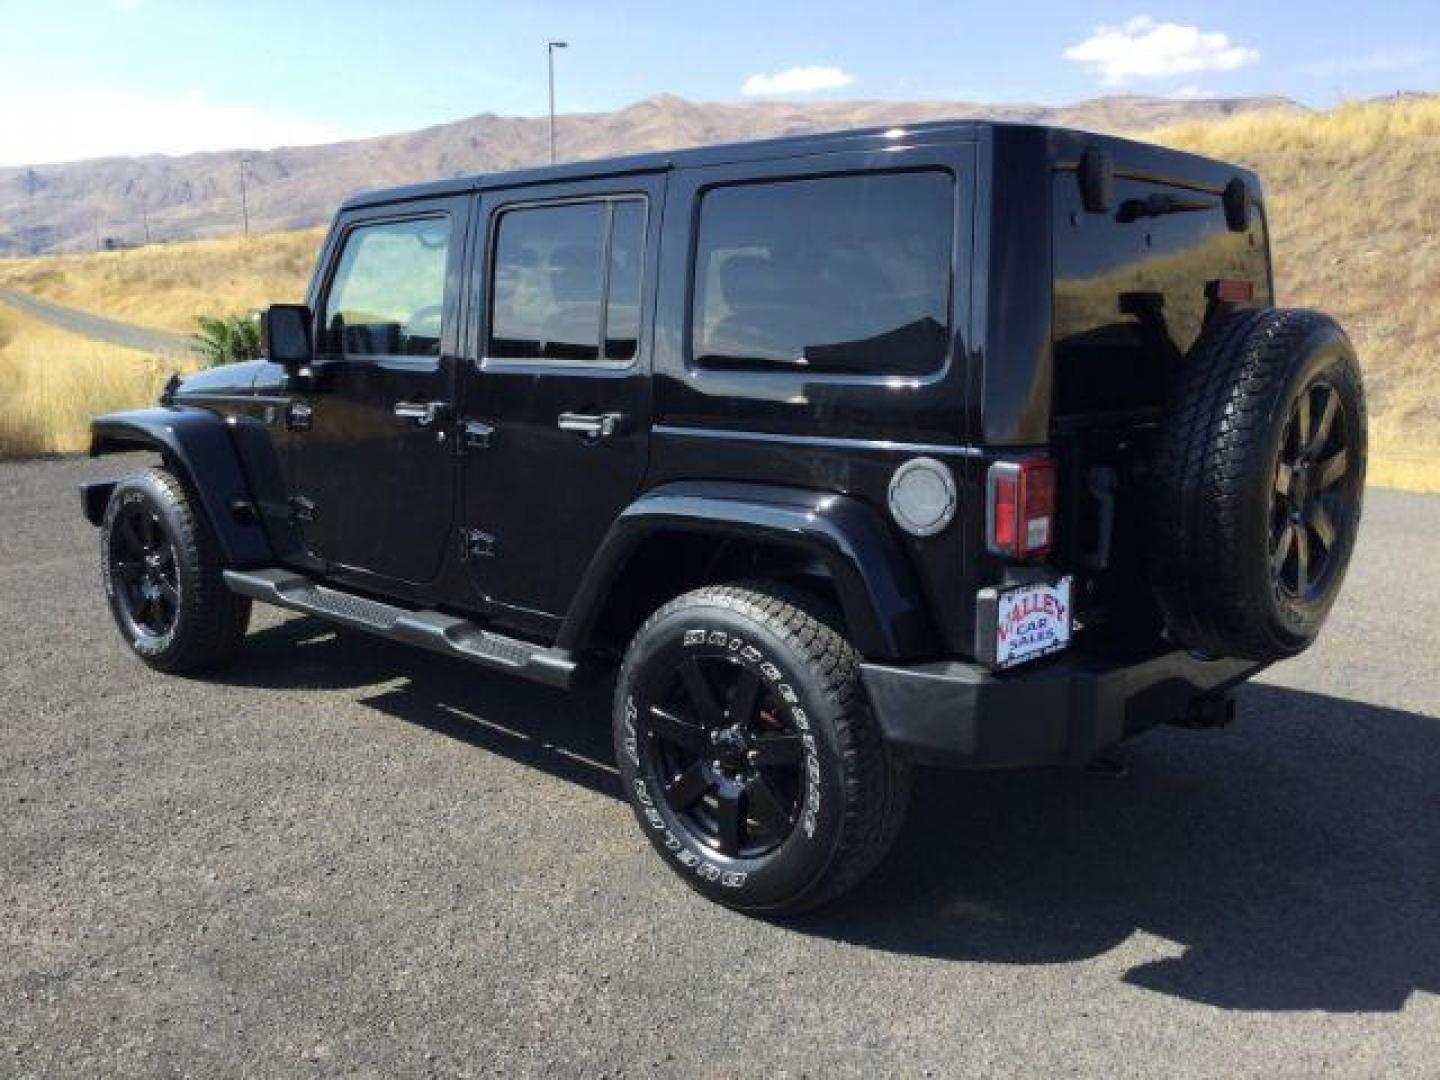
[687,534]
[197,448]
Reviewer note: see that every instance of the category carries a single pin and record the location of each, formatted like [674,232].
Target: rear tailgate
[1133,286]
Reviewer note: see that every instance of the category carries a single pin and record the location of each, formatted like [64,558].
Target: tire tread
[213,620]
[1222,407]
[876,781]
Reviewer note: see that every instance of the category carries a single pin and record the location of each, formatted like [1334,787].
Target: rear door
[557,397]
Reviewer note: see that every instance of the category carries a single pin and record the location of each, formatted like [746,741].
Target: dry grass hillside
[168,286]
[54,382]
[1354,204]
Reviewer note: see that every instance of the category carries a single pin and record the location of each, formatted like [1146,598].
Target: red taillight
[1004,504]
[1021,507]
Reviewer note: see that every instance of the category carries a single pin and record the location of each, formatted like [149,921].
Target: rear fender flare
[195,443]
[871,574]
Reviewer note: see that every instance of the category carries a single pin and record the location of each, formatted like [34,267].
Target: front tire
[163,576]
[748,751]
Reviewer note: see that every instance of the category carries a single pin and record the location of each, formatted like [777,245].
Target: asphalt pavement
[99,327]
[347,857]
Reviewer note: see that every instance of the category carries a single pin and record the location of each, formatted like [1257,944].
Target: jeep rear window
[566,281]
[846,275]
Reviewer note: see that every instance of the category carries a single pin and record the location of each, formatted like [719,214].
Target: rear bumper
[1059,711]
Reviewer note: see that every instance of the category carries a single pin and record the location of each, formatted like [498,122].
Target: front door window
[387,297]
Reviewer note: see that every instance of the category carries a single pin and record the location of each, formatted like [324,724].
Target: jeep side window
[387,297]
[567,278]
[845,275]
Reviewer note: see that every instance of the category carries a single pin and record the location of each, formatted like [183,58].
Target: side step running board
[432,630]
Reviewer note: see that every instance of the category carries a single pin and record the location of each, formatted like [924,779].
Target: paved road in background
[98,327]
[346,856]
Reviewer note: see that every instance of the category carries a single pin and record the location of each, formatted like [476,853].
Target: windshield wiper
[1158,205]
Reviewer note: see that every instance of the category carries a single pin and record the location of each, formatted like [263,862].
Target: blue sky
[80,78]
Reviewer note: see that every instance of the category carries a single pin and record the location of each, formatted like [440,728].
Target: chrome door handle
[591,425]
[424,413]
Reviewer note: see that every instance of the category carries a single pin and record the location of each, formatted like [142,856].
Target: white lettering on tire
[810,812]
[632,742]
[686,856]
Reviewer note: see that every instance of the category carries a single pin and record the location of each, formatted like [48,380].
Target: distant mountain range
[81,205]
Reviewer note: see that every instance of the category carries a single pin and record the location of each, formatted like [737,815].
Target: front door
[373,457]
[558,401]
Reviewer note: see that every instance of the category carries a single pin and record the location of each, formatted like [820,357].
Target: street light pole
[550,47]
[244,199]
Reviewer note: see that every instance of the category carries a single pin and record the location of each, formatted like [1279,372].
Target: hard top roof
[1064,142]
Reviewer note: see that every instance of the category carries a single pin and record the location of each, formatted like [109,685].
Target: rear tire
[163,575]
[1259,474]
[748,751]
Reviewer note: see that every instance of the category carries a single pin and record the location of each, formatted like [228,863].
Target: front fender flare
[196,444]
[870,571]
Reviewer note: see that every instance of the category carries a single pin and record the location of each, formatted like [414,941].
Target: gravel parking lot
[349,857]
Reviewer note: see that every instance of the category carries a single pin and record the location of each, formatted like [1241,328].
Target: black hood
[226,379]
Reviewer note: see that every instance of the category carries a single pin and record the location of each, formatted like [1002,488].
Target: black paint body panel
[876,590]
[196,443]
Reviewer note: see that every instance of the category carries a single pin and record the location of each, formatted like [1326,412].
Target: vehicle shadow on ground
[1293,860]
[566,735]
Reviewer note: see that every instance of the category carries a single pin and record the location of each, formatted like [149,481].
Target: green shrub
[227,339]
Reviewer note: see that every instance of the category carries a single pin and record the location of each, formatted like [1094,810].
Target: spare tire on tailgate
[1259,471]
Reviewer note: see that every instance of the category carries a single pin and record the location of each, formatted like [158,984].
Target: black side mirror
[285,335]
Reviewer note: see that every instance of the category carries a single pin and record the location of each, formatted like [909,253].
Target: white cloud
[1191,92]
[1379,62]
[1145,49]
[44,127]
[808,79]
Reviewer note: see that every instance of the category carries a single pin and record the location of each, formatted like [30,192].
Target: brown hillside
[1354,204]
[73,207]
[1353,197]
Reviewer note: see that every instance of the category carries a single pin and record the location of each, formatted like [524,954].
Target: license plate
[1032,621]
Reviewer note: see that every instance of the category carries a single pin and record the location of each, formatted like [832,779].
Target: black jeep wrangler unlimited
[964,443]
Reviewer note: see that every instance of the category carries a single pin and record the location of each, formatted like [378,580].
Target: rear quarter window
[845,275]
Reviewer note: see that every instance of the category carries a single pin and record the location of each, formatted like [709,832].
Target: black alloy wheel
[164,576]
[748,751]
[143,567]
[727,753]
[1310,503]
